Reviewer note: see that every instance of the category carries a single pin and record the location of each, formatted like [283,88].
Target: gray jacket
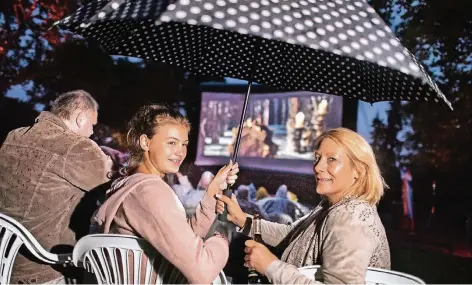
[352,239]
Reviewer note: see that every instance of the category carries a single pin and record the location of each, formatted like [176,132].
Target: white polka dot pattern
[340,47]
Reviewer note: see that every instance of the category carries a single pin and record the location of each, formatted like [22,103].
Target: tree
[387,147]
[9,108]
[50,62]
[440,140]
[25,37]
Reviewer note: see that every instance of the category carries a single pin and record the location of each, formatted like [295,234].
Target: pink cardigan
[144,205]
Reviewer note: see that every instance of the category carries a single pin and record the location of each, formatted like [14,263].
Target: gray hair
[66,103]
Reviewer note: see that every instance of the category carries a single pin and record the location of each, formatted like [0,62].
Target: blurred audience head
[292,197]
[261,193]
[282,191]
[205,180]
[242,193]
[102,135]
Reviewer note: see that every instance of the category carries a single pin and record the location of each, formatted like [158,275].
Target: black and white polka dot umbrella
[339,47]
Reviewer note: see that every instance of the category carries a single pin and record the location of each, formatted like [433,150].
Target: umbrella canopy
[339,47]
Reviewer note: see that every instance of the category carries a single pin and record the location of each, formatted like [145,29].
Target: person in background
[242,194]
[407,196]
[45,170]
[261,193]
[280,204]
[103,136]
[183,187]
[194,196]
[252,192]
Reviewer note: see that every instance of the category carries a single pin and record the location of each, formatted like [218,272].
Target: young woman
[142,204]
[343,233]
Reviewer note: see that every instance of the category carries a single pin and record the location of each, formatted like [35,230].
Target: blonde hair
[370,184]
[292,197]
[261,193]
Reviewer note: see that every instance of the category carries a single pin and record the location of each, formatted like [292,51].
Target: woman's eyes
[330,159]
[175,143]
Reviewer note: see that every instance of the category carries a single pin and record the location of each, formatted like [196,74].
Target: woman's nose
[181,150]
[319,166]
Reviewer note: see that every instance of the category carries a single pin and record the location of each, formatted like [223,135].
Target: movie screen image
[279,128]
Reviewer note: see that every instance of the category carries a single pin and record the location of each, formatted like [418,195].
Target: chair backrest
[123,259]
[373,276]
[12,236]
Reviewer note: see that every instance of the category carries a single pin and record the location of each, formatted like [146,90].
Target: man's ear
[80,119]
[144,142]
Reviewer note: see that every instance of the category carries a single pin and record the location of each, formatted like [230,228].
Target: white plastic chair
[12,236]
[373,276]
[106,255]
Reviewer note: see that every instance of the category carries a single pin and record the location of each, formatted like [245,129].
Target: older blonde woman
[343,233]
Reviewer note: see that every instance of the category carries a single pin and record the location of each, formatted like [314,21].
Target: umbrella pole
[241,122]
[228,192]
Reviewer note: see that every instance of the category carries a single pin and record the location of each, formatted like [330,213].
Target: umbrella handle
[224,216]
[228,192]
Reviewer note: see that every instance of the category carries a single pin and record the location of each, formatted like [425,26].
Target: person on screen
[256,141]
[143,205]
[343,234]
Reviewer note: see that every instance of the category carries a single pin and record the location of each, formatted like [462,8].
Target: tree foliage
[47,61]
[439,142]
